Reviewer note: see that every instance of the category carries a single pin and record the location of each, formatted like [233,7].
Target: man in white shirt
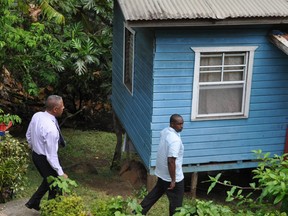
[43,135]
[168,168]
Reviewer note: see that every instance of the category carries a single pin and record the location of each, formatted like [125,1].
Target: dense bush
[271,181]
[209,208]
[13,166]
[71,205]
[66,204]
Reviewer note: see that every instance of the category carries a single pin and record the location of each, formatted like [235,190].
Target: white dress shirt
[42,136]
[170,146]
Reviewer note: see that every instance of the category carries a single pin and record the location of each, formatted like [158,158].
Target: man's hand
[172,171]
[64,175]
[172,185]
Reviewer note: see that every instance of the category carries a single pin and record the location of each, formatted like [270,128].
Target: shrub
[271,179]
[13,166]
[209,208]
[71,205]
[63,205]
[116,206]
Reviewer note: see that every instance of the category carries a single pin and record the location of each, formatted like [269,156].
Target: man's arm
[172,171]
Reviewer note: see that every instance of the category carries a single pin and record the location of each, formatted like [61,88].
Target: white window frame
[250,50]
[132,57]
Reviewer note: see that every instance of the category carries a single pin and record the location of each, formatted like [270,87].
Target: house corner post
[151,181]
[194,181]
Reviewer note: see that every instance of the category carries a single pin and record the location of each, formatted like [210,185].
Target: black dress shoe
[32,206]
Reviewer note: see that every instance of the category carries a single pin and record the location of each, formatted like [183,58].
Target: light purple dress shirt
[42,136]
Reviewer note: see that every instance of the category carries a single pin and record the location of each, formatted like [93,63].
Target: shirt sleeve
[174,145]
[51,140]
[28,135]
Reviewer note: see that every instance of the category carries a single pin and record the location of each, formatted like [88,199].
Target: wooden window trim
[130,63]
[246,84]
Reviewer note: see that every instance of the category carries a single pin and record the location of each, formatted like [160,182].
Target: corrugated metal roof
[140,10]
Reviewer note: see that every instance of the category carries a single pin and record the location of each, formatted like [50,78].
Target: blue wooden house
[211,61]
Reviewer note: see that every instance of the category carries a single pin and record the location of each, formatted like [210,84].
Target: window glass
[215,100]
[128,59]
[222,82]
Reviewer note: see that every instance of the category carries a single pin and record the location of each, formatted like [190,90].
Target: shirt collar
[52,117]
[173,130]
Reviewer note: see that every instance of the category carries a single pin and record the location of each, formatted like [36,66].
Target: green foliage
[141,193]
[66,204]
[204,208]
[13,166]
[23,48]
[71,205]
[64,184]
[67,46]
[116,206]
[272,176]
[6,118]
[272,179]
[51,13]
[209,208]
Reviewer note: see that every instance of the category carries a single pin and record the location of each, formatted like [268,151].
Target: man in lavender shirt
[43,137]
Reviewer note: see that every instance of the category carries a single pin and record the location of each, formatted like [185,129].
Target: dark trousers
[45,170]
[175,196]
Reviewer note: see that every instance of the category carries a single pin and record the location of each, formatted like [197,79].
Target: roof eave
[207,22]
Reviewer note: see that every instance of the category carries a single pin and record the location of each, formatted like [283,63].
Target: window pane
[234,66]
[233,76]
[128,65]
[224,100]
[210,77]
[234,59]
[211,59]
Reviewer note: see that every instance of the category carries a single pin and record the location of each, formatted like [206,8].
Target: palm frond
[51,13]
[80,67]
[89,4]
[76,43]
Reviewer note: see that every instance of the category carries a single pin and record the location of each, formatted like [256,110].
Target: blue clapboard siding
[220,140]
[163,83]
[134,111]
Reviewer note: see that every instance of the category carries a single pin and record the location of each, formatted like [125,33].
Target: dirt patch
[134,172]
[131,176]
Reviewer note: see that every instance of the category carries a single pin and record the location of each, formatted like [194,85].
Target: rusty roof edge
[206,22]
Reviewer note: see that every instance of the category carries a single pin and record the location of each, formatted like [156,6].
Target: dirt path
[17,208]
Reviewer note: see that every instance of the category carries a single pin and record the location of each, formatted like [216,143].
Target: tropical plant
[209,208]
[271,179]
[6,118]
[53,43]
[63,184]
[117,206]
